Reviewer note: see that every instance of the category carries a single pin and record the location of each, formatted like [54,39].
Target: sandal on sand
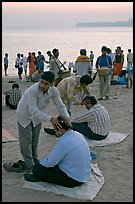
[20,163]
[10,167]
[31,178]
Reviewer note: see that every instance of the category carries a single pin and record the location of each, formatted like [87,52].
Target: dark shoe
[107,98]
[20,163]
[13,168]
[100,98]
[31,178]
[49,131]
[36,161]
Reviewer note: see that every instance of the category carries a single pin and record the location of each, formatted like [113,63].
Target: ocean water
[68,41]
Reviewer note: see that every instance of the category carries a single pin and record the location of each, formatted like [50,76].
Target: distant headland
[128,23]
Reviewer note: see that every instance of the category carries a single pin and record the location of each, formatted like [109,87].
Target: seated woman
[68,164]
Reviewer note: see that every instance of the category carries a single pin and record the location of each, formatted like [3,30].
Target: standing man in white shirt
[30,116]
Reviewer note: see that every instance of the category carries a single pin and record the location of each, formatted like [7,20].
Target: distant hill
[128,23]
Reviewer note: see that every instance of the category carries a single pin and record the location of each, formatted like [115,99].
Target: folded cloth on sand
[86,191]
[112,138]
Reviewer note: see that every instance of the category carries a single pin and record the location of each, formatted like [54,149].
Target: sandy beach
[114,161]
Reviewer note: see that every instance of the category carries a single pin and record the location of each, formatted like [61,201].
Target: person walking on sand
[6,63]
[65,165]
[30,116]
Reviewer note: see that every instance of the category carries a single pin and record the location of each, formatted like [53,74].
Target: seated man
[68,164]
[13,96]
[94,123]
[82,64]
[73,89]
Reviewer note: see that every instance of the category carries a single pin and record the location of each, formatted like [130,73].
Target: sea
[68,41]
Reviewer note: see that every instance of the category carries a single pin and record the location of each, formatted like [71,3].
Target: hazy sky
[63,14]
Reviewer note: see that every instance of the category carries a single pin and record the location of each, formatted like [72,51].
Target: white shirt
[24,61]
[54,66]
[34,101]
[130,57]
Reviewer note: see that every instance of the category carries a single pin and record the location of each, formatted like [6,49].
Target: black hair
[104,48]
[48,52]
[86,79]
[55,50]
[82,51]
[64,123]
[15,86]
[48,76]
[92,99]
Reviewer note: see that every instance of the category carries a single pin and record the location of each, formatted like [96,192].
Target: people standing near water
[6,63]
[18,65]
[91,58]
[55,65]
[129,58]
[31,62]
[24,64]
[50,56]
[40,59]
[104,62]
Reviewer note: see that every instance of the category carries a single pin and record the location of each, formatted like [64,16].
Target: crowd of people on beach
[69,162]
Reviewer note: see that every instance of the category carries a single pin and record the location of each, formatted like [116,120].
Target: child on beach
[129,76]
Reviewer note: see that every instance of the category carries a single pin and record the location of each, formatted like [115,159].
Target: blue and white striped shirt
[98,119]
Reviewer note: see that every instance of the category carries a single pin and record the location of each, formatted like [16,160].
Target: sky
[63,14]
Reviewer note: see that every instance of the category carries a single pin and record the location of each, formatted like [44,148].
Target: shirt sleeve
[56,155]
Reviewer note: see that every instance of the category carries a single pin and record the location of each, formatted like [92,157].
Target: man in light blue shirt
[68,164]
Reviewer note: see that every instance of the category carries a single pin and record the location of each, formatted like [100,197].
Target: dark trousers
[54,175]
[8,104]
[85,130]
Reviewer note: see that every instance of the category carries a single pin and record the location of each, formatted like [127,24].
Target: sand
[114,161]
